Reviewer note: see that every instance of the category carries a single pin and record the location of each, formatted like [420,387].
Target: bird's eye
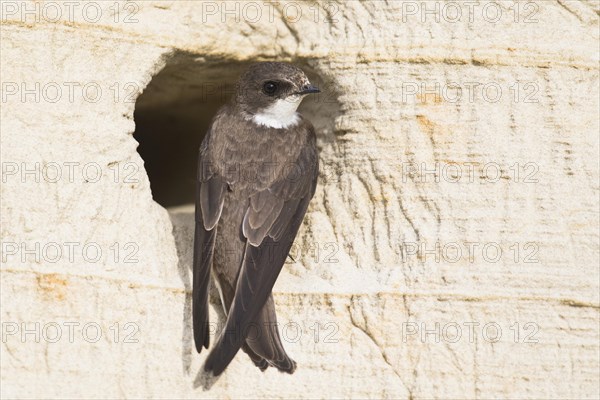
[269,88]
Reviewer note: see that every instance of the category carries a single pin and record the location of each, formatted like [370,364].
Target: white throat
[282,114]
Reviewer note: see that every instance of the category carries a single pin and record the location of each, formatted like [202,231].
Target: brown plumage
[257,172]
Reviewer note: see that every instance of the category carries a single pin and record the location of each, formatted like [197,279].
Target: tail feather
[260,362]
[262,344]
[266,342]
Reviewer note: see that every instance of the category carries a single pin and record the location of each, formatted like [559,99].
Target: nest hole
[173,114]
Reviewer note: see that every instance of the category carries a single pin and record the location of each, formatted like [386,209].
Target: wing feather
[210,188]
[270,225]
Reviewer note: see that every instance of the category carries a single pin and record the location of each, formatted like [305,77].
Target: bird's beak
[309,89]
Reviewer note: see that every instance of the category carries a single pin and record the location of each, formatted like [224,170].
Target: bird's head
[269,93]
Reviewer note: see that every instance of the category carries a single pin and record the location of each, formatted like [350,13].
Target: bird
[257,172]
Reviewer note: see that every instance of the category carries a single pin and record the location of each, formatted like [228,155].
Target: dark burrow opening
[173,113]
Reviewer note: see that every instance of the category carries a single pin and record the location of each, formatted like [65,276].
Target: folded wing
[270,225]
[210,188]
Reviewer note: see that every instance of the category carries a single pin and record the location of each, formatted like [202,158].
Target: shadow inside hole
[173,114]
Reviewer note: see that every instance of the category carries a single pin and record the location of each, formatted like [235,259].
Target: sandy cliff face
[451,249]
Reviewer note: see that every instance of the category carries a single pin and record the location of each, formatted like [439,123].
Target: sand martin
[257,171]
